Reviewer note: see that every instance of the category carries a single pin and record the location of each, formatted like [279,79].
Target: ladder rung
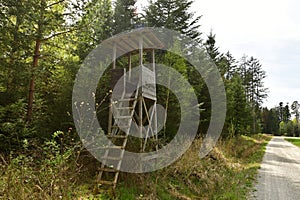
[106,182]
[117,136]
[129,99]
[112,170]
[123,117]
[112,158]
[121,126]
[124,108]
[112,147]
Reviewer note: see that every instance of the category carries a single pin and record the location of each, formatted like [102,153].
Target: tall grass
[48,173]
[44,172]
[228,172]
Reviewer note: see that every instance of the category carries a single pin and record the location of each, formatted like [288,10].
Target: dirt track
[279,176]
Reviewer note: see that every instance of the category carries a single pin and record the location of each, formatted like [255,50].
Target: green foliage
[284,112]
[36,50]
[253,77]
[226,173]
[96,25]
[278,120]
[244,82]
[124,15]
[290,128]
[174,15]
[293,141]
[270,121]
[53,176]
[282,128]
[13,128]
[44,42]
[296,127]
[295,107]
[237,108]
[212,50]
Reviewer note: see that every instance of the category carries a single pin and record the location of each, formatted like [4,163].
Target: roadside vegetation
[294,141]
[279,121]
[228,172]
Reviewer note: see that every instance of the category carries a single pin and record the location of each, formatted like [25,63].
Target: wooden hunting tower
[132,110]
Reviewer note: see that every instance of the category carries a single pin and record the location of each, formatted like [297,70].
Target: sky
[268,30]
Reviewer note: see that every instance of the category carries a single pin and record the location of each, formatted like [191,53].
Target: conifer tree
[174,15]
[124,15]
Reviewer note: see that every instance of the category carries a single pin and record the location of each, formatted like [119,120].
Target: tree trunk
[32,80]
[36,56]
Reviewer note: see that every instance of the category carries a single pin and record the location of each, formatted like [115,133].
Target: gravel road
[279,176]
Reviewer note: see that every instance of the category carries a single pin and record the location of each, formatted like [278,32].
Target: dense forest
[279,121]
[44,42]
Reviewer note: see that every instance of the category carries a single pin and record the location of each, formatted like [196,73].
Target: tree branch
[58,34]
[58,2]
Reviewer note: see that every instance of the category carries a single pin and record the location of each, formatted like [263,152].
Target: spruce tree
[237,107]
[124,14]
[174,15]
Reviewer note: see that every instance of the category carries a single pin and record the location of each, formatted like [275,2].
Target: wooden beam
[141,51]
[153,61]
[129,66]
[141,119]
[110,116]
[114,55]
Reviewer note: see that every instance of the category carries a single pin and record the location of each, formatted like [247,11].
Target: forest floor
[228,172]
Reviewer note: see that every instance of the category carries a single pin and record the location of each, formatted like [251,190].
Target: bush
[46,172]
[13,129]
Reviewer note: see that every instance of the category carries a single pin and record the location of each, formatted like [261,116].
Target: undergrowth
[228,172]
[49,172]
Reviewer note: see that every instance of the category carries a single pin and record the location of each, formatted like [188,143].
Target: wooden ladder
[114,151]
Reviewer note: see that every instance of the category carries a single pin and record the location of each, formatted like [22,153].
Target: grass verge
[295,141]
[228,172]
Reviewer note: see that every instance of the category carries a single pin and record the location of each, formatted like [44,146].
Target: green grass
[295,141]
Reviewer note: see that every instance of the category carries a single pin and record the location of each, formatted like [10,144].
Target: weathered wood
[114,55]
[131,105]
[130,40]
[148,82]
